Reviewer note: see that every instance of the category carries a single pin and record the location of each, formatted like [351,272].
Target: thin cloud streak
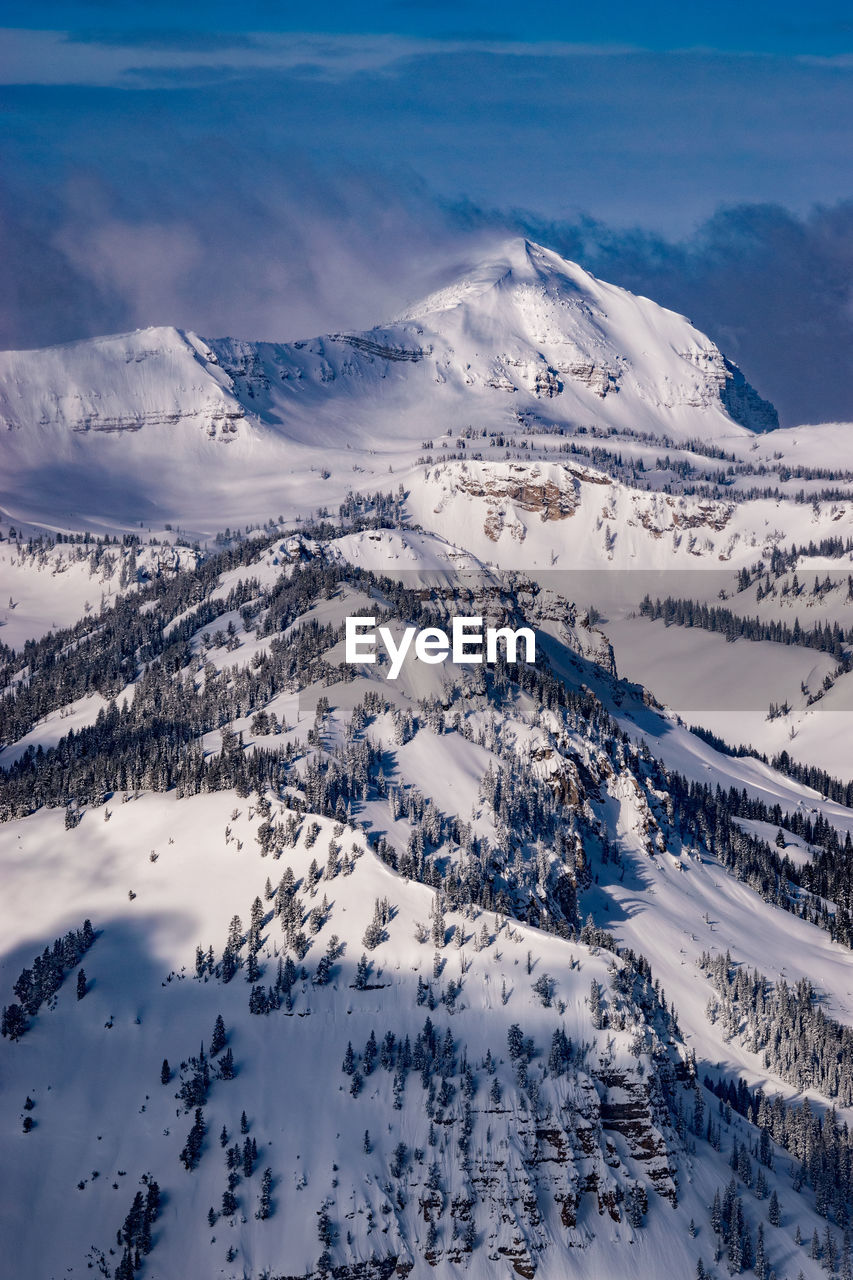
[114,59]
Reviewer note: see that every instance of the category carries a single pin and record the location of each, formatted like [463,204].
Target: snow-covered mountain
[134,428]
[486,971]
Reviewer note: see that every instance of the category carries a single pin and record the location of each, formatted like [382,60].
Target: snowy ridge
[581,1168]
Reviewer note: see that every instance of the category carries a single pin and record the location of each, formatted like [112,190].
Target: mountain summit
[534,321]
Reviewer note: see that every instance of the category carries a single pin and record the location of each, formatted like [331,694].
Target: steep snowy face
[531,321]
[151,378]
[117,428]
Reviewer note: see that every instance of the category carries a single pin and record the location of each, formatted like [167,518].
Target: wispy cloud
[301,252]
[115,58]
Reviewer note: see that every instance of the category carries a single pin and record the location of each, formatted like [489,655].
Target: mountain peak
[516,261]
[524,315]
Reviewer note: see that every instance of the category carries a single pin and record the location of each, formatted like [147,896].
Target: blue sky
[244,173]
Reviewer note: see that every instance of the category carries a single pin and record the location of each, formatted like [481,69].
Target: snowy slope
[99,1062]
[551,1170]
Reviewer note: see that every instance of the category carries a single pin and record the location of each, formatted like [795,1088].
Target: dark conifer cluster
[829,638]
[134,1237]
[40,984]
[786,1025]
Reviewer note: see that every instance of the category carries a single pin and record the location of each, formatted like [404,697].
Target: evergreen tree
[746,1251]
[217,1040]
[13,1023]
[369,1056]
[325,1230]
[362,973]
[81,984]
[124,1268]
[635,1204]
[828,1250]
[264,1203]
[438,928]
[716,1214]
[515,1042]
[760,1256]
[165,1072]
[228,967]
[191,1153]
[259,1001]
[774,1216]
[595,1009]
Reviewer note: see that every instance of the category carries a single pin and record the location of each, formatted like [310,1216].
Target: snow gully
[464,644]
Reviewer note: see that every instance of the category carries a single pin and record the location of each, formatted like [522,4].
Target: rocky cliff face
[744,404]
